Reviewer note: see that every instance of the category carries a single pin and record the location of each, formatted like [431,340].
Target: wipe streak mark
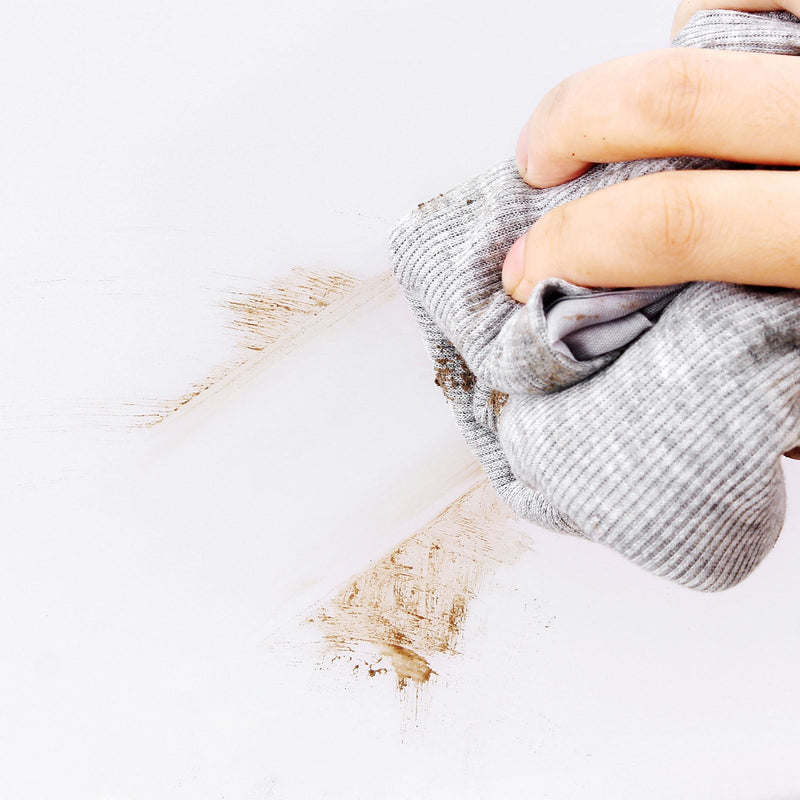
[410,608]
[276,320]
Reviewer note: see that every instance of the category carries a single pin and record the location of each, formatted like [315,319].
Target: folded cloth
[652,419]
[586,326]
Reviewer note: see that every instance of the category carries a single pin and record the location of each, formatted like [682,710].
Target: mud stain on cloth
[272,321]
[409,609]
[497,401]
[451,374]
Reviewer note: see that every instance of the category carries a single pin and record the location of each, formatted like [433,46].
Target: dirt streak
[412,605]
[274,321]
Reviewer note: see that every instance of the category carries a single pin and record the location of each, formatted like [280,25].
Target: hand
[740,226]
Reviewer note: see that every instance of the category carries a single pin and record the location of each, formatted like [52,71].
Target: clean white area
[155,155]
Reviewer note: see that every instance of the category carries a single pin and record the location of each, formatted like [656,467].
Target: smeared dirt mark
[273,321]
[411,606]
[263,317]
[497,400]
[419,205]
[579,317]
[452,373]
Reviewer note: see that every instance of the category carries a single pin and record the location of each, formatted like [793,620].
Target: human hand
[739,226]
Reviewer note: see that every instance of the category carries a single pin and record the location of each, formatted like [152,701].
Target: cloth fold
[651,419]
[585,327]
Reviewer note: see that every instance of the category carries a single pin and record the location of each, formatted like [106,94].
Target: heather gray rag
[651,420]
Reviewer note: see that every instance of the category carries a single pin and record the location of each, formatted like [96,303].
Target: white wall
[157,160]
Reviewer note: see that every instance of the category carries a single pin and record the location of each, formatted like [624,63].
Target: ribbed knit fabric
[666,449]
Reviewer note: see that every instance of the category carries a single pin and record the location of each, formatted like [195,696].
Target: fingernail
[514,265]
[521,153]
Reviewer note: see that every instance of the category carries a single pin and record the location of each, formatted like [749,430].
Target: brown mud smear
[411,606]
[497,400]
[263,317]
[273,321]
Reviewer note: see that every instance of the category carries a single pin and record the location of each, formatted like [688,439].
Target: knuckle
[670,89]
[550,239]
[678,222]
[556,109]
[554,101]
[683,14]
[553,231]
[551,116]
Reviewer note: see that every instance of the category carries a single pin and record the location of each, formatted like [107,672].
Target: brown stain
[262,317]
[271,322]
[408,665]
[496,401]
[420,205]
[452,373]
[412,605]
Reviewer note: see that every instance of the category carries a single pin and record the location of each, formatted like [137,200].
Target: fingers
[732,105]
[688,8]
[738,226]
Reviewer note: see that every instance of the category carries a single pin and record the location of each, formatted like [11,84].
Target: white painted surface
[153,583]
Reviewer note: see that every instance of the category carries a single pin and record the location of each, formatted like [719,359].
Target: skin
[739,226]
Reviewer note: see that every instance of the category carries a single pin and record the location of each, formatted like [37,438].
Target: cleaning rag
[651,420]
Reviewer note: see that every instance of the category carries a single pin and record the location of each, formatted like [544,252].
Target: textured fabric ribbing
[666,449]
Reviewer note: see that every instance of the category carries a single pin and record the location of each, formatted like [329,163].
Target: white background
[152,157]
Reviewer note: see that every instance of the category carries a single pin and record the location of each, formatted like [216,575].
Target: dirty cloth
[656,429]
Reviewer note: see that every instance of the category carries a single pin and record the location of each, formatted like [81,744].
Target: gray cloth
[657,429]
